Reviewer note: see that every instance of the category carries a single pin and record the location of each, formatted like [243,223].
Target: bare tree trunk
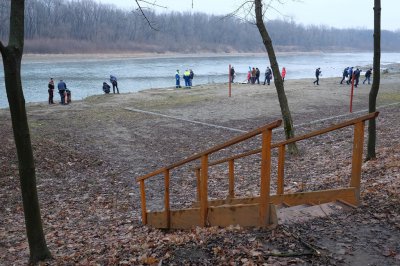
[287,117]
[376,81]
[12,56]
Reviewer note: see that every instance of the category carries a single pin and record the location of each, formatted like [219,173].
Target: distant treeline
[62,26]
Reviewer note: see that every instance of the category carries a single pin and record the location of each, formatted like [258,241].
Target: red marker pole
[351,94]
[230,79]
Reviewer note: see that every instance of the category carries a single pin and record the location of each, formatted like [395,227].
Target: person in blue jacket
[177,79]
[345,74]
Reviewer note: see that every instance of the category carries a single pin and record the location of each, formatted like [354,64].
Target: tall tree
[371,154]
[12,56]
[286,115]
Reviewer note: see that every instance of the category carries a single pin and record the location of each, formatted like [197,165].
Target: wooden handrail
[329,129]
[302,137]
[233,141]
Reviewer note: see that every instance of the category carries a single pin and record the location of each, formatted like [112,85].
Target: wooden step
[303,213]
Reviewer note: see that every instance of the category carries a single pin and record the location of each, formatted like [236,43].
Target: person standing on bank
[283,74]
[368,76]
[61,90]
[177,80]
[114,83]
[357,74]
[51,91]
[317,73]
[191,76]
[258,75]
[345,74]
[232,74]
[268,76]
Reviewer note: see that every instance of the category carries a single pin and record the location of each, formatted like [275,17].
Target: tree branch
[144,15]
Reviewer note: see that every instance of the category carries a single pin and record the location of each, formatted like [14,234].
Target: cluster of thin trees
[64,26]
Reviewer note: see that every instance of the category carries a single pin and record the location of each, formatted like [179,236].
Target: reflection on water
[84,77]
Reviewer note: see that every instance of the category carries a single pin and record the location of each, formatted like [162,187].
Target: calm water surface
[84,77]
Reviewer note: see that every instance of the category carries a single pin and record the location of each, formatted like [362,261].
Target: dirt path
[89,153]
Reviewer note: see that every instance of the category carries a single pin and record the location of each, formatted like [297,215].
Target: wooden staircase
[260,210]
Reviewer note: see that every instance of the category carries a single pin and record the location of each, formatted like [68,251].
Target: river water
[84,75]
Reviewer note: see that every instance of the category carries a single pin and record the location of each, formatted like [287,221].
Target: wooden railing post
[231,179]
[358,145]
[264,211]
[204,191]
[198,184]
[281,169]
[143,199]
[166,200]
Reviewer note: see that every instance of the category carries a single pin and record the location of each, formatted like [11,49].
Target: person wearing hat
[317,73]
[106,88]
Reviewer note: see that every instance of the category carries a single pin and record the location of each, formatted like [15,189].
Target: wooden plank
[358,146]
[243,215]
[317,197]
[281,169]
[167,198]
[204,191]
[231,179]
[265,176]
[157,219]
[198,184]
[143,201]
[185,219]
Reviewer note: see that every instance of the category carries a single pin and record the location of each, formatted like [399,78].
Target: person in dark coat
[317,74]
[232,74]
[106,88]
[268,76]
[51,91]
[345,74]
[368,76]
[114,83]
[191,76]
[357,74]
[257,75]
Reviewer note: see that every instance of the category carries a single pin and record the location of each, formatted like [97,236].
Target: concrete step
[303,213]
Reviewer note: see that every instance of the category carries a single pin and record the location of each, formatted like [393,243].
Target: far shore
[166,55]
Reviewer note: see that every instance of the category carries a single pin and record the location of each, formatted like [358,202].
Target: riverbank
[89,153]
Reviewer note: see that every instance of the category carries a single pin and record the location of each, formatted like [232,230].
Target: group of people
[253,75]
[349,74]
[188,76]
[114,82]
[65,93]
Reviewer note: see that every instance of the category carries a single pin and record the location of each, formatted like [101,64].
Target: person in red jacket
[283,74]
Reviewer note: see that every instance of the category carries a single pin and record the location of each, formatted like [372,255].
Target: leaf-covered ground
[88,155]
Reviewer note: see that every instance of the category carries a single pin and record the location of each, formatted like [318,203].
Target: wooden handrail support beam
[302,137]
[216,148]
[358,145]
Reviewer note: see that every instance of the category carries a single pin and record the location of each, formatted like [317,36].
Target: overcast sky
[335,13]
